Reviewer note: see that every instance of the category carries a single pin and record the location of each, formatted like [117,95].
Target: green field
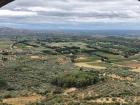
[46,68]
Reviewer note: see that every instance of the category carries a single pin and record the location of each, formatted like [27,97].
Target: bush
[3,83]
[77,79]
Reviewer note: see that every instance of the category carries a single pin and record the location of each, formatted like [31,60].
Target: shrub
[3,83]
[77,79]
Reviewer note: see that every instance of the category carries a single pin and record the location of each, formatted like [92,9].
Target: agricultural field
[68,70]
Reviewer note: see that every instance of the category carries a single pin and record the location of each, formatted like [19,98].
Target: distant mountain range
[13,31]
[5,31]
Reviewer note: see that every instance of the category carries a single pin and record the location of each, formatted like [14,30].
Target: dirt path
[23,100]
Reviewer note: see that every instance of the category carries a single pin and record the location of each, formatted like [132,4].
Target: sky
[71,14]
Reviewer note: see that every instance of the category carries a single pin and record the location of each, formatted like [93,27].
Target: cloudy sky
[71,14]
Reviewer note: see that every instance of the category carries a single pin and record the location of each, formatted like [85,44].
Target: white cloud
[10,13]
[72,11]
[43,9]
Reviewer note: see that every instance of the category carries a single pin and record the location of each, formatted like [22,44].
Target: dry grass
[109,100]
[89,66]
[70,90]
[116,77]
[136,70]
[35,57]
[23,100]
[131,64]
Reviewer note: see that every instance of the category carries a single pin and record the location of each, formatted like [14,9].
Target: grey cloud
[74,11]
